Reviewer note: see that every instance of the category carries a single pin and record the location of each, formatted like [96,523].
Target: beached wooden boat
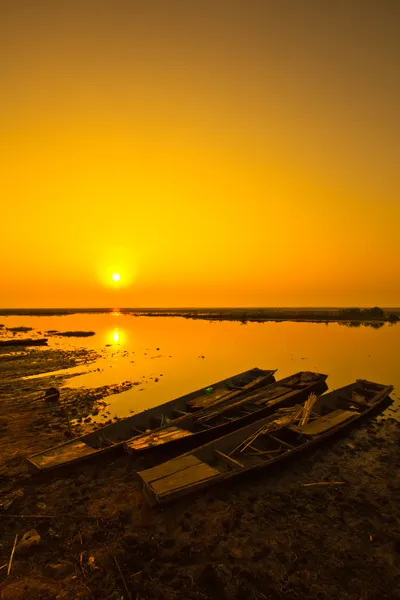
[263,443]
[110,437]
[216,420]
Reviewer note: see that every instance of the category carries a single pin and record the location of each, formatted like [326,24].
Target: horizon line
[175,308]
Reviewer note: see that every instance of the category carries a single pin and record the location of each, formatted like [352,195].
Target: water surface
[173,356]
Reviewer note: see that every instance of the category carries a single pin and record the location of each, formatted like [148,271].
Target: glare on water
[172,356]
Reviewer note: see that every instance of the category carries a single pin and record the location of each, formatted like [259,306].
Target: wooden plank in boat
[169,467]
[305,377]
[173,477]
[218,395]
[193,476]
[265,395]
[207,399]
[323,424]
[162,436]
[279,398]
[62,454]
[255,382]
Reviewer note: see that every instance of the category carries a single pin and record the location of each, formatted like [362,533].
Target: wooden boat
[216,420]
[110,437]
[263,443]
[23,342]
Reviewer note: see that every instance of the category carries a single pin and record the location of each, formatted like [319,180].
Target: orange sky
[214,153]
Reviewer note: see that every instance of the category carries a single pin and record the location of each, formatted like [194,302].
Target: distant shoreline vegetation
[352,317]
[70,333]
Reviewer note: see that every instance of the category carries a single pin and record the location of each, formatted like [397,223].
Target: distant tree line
[363,314]
[373,324]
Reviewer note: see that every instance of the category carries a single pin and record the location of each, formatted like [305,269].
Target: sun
[116,277]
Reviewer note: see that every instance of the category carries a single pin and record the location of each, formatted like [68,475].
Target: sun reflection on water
[116,336]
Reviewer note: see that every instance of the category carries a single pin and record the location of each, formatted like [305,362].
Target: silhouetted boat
[110,437]
[194,429]
[263,443]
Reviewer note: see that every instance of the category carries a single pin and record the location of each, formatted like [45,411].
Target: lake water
[173,356]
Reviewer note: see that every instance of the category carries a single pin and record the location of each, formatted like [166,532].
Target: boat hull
[197,470]
[181,444]
[111,437]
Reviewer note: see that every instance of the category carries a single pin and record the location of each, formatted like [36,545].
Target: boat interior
[263,441]
[186,406]
[242,407]
[115,433]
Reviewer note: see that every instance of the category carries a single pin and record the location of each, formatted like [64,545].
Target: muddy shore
[264,536]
